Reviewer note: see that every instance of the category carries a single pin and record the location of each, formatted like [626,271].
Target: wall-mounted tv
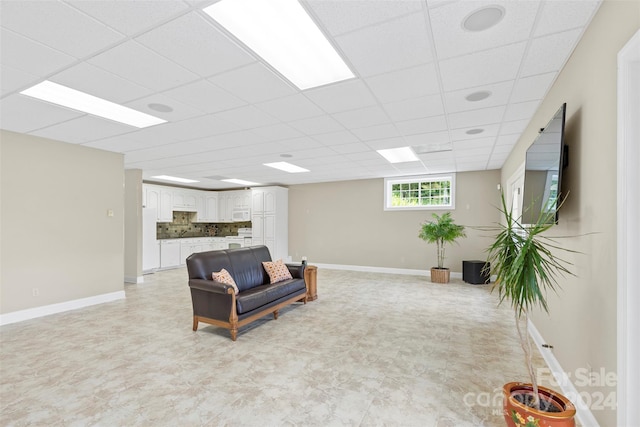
[545,160]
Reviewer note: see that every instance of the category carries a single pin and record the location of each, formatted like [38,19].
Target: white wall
[56,234]
[581,326]
[345,223]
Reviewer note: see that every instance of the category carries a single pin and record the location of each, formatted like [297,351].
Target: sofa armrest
[211,286]
[296,270]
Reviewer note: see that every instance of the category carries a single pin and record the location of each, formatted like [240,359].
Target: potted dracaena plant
[441,231]
[525,268]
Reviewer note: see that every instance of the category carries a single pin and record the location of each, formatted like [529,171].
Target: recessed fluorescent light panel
[240,181]
[283,34]
[174,179]
[80,101]
[287,167]
[399,155]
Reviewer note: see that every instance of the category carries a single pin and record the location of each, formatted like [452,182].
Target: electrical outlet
[36,292]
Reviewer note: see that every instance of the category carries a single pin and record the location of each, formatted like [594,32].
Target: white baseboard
[583,412]
[45,310]
[136,280]
[369,269]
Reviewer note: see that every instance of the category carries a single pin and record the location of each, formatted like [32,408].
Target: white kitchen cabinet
[160,199]
[184,200]
[188,247]
[211,207]
[169,253]
[270,220]
[225,206]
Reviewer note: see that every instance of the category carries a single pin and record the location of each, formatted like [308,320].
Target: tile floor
[372,350]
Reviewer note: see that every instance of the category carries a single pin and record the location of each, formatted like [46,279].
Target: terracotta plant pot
[439,275]
[517,414]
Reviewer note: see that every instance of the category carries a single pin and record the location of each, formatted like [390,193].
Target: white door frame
[628,232]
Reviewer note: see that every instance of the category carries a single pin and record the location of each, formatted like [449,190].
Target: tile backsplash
[184,225]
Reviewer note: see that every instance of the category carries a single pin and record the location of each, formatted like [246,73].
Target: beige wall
[133,225]
[344,223]
[56,235]
[582,323]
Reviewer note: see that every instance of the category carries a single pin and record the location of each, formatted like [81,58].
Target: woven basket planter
[440,275]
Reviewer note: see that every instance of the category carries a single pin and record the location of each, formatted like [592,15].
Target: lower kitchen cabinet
[169,253]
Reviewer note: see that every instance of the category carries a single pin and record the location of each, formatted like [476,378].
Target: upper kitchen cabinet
[184,200]
[159,198]
[233,204]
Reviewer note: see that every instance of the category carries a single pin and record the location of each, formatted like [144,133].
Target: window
[420,192]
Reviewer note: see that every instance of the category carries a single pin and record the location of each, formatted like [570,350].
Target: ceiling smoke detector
[483,19]
[474,131]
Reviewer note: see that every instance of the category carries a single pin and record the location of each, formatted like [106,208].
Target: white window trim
[388,182]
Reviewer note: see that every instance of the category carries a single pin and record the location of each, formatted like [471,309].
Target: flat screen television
[546,158]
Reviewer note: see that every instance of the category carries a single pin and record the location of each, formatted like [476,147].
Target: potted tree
[440,231]
[526,268]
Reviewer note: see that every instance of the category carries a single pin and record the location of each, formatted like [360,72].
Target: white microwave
[239,215]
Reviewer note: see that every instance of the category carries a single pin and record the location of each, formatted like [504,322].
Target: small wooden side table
[311,279]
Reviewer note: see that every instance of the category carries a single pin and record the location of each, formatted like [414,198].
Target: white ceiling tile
[382,144]
[333,138]
[205,96]
[356,147]
[532,88]
[473,118]
[487,131]
[451,39]
[23,114]
[12,79]
[362,117]
[564,15]
[387,130]
[301,143]
[198,127]
[193,42]
[414,108]
[292,107]
[119,144]
[130,17]
[521,110]
[98,82]
[317,125]
[549,53]
[489,66]
[403,84]
[484,143]
[509,140]
[254,83]
[277,131]
[516,127]
[143,67]
[58,26]
[180,111]
[23,54]
[502,149]
[422,125]
[456,101]
[83,129]
[390,46]
[347,95]
[342,16]
[248,117]
[428,138]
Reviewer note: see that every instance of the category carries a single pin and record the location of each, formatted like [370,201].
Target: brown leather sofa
[216,303]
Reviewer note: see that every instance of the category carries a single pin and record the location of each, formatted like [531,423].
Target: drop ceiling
[414,64]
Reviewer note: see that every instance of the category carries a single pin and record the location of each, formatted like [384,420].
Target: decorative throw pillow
[223,276]
[277,271]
